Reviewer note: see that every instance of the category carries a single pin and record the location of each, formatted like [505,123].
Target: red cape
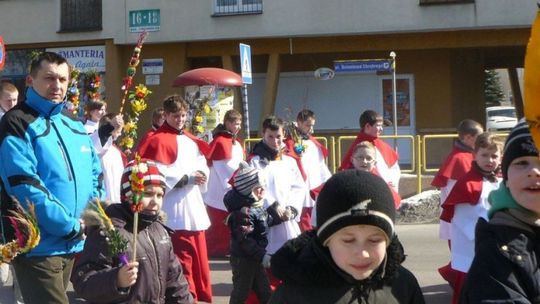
[467,190]
[456,165]
[163,147]
[389,155]
[221,147]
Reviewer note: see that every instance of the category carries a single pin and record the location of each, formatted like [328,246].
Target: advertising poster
[403,102]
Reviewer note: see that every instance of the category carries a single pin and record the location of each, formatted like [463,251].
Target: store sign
[84,58]
[144,20]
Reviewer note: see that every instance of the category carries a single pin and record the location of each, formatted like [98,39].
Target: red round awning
[208,76]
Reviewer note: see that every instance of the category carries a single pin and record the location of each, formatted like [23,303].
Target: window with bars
[80,15]
[429,2]
[237,7]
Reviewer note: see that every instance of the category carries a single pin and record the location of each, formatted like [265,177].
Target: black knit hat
[246,178]
[519,143]
[354,197]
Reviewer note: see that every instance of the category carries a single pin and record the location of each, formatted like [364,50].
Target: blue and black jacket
[48,159]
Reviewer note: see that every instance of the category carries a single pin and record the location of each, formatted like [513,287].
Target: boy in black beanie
[505,268]
[354,255]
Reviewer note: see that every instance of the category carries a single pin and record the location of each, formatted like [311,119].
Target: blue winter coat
[48,159]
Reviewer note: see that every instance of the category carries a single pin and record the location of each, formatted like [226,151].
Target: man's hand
[127,275]
[118,124]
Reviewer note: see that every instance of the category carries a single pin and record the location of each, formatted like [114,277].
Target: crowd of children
[293,232]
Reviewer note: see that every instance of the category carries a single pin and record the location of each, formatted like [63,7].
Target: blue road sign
[363,66]
[245,63]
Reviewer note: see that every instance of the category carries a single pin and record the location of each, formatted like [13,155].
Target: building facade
[442,47]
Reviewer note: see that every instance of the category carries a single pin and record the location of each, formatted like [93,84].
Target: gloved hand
[266,261]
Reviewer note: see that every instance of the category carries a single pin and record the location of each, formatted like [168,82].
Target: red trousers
[190,248]
[305,219]
[218,236]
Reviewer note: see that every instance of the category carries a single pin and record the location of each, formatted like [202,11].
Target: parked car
[500,118]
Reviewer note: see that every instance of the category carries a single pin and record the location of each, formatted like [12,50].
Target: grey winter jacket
[160,278]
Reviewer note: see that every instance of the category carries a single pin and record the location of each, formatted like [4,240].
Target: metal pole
[246,111]
[394,97]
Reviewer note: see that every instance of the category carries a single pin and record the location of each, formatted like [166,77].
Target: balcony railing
[237,7]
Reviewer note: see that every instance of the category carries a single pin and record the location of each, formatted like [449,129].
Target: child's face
[374,130]
[96,115]
[364,159]
[358,250]
[258,193]
[8,100]
[524,182]
[176,120]
[307,125]
[470,139]
[273,139]
[488,159]
[152,199]
[233,126]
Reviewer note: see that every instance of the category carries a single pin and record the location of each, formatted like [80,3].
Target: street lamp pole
[394,97]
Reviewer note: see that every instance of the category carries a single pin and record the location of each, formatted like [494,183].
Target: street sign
[152,66]
[245,63]
[144,20]
[2,53]
[363,66]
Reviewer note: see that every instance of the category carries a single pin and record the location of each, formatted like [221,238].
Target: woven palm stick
[134,240]
[133,63]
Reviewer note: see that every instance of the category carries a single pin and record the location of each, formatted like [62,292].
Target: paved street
[425,253]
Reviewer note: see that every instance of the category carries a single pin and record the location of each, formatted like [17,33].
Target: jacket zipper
[157,261]
[64,157]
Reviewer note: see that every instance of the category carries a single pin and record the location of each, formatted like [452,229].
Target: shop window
[80,15]
[237,7]
[429,2]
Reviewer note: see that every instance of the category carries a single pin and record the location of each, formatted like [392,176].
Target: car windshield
[502,112]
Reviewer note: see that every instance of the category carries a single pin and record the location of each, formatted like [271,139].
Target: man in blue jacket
[48,160]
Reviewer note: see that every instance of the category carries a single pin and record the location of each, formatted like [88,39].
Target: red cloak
[389,155]
[163,147]
[456,165]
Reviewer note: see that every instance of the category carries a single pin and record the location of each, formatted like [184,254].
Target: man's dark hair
[369,117]
[175,103]
[273,123]
[51,57]
[304,115]
[469,127]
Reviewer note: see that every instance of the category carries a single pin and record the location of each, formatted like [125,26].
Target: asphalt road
[425,253]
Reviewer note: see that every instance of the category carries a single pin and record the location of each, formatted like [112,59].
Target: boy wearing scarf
[468,201]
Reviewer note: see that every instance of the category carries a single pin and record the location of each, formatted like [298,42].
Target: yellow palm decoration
[532,81]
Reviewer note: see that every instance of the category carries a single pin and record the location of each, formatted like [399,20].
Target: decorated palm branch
[117,245]
[292,131]
[532,82]
[137,97]
[26,232]
[137,100]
